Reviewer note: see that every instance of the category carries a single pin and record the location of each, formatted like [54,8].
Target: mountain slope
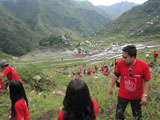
[117,9]
[137,22]
[15,37]
[23,22]
[47,15]
[90,6]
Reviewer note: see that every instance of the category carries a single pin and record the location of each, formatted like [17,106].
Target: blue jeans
[135,105]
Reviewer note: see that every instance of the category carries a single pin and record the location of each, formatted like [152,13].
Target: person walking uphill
[9,71]
[134,83]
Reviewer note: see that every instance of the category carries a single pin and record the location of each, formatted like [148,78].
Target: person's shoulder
[21,101]
[8,67]
[19,104]
[61,113]
[94,101]
[141,62]
[120,62]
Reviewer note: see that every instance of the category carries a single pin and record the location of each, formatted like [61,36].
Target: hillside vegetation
[46,95]
[140,21]
[25,22]
[117,9]
[140,24]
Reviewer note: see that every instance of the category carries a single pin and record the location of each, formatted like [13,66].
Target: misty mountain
[46,15]
[143,20]
[88,5]
[26,20]
[117,9]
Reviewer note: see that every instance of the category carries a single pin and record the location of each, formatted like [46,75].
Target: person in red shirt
[134,83]
[1,85]
[155,56]
[77,102]
[96,68]
[90,71]
[115,62]
[19,102]
[9,71]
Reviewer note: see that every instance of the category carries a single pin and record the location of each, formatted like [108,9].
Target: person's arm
[1,75]
[145,91]
[114,79]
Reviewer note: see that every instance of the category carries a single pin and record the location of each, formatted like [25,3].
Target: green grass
[45,104]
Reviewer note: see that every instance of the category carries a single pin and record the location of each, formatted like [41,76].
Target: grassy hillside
[45,98]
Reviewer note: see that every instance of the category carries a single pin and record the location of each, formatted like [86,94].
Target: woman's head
[17,92]
[77,102]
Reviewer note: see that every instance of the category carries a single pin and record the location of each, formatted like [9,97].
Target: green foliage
[137,22]
[3,55]
[15,38]
[67,14]
[24,22]
[44,103]
[27,73]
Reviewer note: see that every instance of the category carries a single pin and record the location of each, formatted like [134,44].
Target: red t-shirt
[11,73]
[90,71]
[131,86]
[155,54]
[1,85]
[95,106]
[21,110]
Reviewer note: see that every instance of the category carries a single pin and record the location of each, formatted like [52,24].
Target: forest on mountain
[142,20]
[25,22]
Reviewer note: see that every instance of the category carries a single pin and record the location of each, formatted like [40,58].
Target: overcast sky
[110,2]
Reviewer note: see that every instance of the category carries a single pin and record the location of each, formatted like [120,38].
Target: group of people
[13,83]
[103,69]
[78,105]
[134,84]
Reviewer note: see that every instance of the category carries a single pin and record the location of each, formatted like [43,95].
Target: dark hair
[77,102]
[3,64]
[130,50]
[17,92]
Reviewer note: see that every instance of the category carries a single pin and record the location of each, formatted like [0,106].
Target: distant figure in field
[150,64]
[111,64]
[85,72]
[19,102]
[115,62]
[90,71]
[158,68]
[96,68]
[77,102]
[155,56]
[147,56]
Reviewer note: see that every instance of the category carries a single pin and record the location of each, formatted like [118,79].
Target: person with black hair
[77,102]
[134,83]
[9,71]
[19,102]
